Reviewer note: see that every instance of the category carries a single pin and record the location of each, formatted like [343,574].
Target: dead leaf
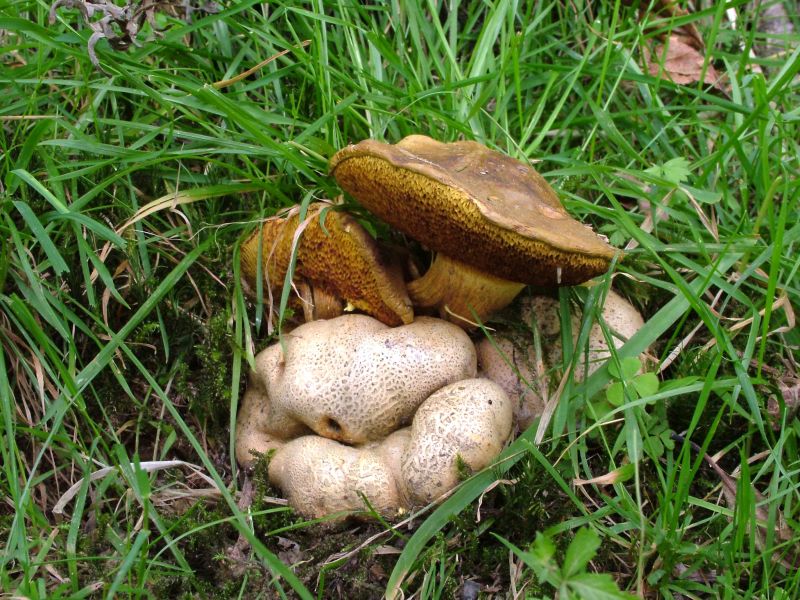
[671,10]
[680,62]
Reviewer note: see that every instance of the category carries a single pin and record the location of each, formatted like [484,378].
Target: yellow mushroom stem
[461,293]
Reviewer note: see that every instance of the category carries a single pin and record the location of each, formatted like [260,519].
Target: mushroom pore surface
[474,205]
[336,259]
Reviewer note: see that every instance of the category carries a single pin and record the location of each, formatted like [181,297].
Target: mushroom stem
[456,290]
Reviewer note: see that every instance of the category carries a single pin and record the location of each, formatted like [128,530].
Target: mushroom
[493,221]
[336,260]
[465,423]
[351,379]
[511,362]
[620,316]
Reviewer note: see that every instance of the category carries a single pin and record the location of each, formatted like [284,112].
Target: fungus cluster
[352,406]
[388,406]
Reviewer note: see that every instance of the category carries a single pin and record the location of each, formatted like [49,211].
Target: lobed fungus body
[465,423]
[320,477]
[351,379]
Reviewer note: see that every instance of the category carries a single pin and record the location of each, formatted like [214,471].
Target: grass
[125,336]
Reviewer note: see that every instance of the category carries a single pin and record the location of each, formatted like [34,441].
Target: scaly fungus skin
[336,260]
[512,364]
[260,425]
[477,207]
[620,315]
[320,477]
[351,379]
[468,420]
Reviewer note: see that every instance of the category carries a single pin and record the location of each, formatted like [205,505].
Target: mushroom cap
[320,477]
[355,380]
[468,420]
[475,205]
[335,254]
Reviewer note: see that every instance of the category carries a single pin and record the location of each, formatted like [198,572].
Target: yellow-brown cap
[475,205]
[335,255]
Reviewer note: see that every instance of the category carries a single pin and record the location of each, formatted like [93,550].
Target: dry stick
[226,82]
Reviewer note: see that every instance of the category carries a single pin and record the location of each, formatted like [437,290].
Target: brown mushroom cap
[476,206]
[335,256]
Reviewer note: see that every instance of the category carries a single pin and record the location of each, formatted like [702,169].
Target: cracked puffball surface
[351,379]
[466,422]
[510,358]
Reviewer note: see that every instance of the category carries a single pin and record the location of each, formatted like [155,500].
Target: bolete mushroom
[336,260]
[494,222]
[351,379]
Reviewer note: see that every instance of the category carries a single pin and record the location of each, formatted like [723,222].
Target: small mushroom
[620,315]
[351,379]
[494,222]
[336,260]
[512,364]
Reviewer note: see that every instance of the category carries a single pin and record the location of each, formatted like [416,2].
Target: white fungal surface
[469,421]
[353,379]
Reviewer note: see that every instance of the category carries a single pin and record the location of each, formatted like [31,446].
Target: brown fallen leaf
[671,10]
[678,61]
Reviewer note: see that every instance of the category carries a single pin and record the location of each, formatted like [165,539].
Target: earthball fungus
[337,263]
[465,424]
[351,379]
[494,222]
[510,359]
[353,407]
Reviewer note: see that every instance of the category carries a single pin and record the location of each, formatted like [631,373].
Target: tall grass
[125,335]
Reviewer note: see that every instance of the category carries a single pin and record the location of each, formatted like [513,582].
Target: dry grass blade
[147,466]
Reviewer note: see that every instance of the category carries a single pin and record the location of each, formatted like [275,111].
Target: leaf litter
[121,25]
